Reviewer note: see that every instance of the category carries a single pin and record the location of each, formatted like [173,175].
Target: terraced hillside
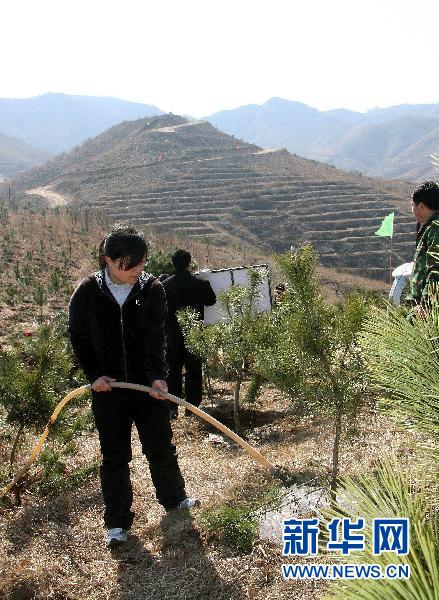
[189,178]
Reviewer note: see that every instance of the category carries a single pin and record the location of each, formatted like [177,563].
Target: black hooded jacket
[185,290]
[125,342]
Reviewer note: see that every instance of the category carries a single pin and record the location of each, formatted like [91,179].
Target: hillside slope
[17,156]
[188,178]
[393,142]
[58,122]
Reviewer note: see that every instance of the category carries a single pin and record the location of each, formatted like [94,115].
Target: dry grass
[53,548]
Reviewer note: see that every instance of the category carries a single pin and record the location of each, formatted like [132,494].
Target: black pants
[179,357]
[114,413]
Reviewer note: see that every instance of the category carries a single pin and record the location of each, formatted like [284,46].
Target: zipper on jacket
[123,345]
[110,295]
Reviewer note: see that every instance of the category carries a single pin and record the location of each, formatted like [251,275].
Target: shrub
[233,526]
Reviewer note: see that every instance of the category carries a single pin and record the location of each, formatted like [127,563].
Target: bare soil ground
[54,548]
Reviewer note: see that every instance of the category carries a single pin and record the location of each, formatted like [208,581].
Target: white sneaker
[115,537]
[189,503]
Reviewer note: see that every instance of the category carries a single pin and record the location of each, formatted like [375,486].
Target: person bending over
[184,290]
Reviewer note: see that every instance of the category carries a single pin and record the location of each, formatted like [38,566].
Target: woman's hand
[159,385]
[102,384]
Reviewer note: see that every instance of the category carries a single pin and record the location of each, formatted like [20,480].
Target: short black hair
[125,243]
[428,194]
[181,259]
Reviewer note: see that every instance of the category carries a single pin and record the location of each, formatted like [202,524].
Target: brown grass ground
[53,547]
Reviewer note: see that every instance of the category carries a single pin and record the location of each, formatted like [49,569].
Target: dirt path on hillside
[172,128]
[53,198]
[267,151]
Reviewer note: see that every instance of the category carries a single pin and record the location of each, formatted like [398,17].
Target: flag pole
[386,230]
[390,260]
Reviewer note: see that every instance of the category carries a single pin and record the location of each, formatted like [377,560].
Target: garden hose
[275,471]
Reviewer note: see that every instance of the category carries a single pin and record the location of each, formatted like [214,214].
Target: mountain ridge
[57,122]
[330,136]
[17,156]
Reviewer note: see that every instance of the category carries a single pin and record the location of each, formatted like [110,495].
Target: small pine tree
[11,294]
[39,296]
[34,376]
[160,263]
[312,351]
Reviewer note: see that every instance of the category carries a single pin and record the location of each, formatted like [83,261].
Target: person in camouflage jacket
[425,207]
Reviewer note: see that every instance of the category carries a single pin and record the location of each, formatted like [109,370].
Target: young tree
[312,351]
[229,347]
[34,376]
[159,263]
[39,296]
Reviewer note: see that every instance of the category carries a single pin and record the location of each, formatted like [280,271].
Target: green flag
[386,229]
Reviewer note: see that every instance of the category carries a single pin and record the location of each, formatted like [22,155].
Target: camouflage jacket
[426,261]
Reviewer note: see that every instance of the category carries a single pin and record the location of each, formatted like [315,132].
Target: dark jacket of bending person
[184,290]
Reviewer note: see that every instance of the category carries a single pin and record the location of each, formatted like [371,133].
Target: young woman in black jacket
[117,329]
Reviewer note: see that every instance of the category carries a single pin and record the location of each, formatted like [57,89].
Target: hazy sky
[200,56]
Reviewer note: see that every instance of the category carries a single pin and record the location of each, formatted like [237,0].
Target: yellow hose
[142,388]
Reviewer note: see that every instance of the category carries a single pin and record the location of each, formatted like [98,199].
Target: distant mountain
[17,156]
[58,122]
[188,178]
[393,142]
[280,124]
[387,148]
